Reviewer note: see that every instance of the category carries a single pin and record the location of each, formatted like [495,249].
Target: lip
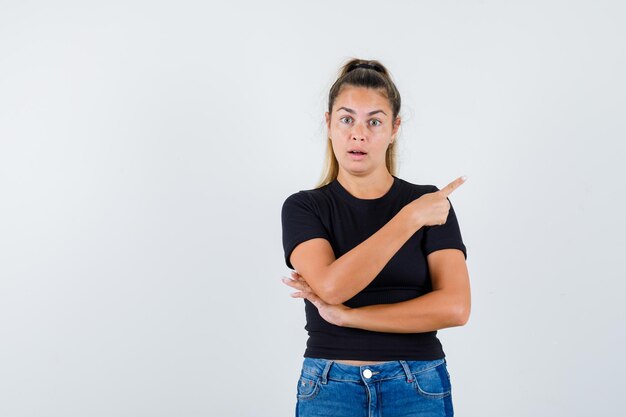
[357,157]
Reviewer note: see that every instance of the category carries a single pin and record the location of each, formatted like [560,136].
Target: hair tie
[365,65]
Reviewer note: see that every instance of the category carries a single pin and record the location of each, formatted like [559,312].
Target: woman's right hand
[432,209]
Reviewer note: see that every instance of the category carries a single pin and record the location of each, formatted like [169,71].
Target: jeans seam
[439,363]
[432,395]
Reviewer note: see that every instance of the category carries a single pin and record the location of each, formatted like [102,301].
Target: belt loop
[329,363]
[407,371]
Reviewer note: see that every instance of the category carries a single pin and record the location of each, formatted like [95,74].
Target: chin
[355,170]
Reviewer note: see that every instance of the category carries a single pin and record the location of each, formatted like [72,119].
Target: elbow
[331,295]
[461,315]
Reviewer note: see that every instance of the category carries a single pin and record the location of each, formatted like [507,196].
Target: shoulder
[416,190]
[311,198]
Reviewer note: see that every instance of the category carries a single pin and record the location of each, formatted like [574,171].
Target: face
[361,120]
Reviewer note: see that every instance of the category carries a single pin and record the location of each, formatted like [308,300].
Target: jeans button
[367,373]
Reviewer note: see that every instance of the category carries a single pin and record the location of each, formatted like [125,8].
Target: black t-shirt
[332,213]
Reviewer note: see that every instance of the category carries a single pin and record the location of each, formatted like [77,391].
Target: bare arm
[338,280]
[448,305]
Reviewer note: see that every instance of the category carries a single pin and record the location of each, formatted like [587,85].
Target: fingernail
[464,177]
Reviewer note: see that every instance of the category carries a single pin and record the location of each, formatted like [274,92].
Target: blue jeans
[390,389]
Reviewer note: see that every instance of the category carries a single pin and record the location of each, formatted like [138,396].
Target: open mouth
[357,155]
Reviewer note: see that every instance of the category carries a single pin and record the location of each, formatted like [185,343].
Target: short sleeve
[445,236]
[301,222]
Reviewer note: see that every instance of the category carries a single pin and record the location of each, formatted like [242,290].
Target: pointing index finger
[447,190]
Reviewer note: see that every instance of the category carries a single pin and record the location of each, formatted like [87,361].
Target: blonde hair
[375,77]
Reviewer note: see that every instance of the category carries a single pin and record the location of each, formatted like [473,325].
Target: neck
[374,185]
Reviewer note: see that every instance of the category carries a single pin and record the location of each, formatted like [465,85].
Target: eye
[345,117]
[377,121]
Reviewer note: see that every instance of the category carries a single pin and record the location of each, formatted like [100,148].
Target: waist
[343,343]
[331,369]
[357,363]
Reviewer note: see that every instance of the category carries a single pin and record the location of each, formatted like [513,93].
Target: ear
[327,116]
[396,126]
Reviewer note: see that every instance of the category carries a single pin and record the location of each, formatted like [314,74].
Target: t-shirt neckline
[366,202]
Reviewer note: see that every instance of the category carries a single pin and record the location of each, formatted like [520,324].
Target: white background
[146,149]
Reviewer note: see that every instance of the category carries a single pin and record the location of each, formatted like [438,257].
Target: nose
[358,132]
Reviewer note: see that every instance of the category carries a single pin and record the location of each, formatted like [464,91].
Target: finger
[306,296]
[297,276]
[309,295]
[292,283]
[301,280]
[447,190]
[305,293]
[317,302]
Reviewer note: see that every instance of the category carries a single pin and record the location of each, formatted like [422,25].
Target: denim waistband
[326,369]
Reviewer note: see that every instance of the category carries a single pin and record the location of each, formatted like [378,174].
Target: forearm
[433,311]
[353,271]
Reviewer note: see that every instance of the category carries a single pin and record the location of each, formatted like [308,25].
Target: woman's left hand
[334,314]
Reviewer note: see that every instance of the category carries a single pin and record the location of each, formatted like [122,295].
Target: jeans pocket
[433,382]
[308,386]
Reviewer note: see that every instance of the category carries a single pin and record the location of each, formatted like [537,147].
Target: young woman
[379,262]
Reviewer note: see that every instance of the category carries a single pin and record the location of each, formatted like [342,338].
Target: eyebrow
[369,114]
